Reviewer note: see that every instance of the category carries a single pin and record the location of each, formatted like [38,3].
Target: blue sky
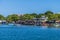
[8,7]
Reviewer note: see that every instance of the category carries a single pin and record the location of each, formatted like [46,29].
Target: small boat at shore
[56,25]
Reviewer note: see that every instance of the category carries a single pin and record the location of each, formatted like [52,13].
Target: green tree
[53,16]
[27,17]
[41,14]
[2,17]
[48,12]
[13,17]
[58,16]
[34,14]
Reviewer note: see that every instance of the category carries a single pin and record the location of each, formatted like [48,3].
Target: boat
[56,25]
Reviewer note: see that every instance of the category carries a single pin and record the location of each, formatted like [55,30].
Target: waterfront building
[41,20]
[3,21]
[35,21]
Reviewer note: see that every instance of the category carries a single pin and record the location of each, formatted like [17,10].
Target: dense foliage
[2,17]
[12,18]
[15,17]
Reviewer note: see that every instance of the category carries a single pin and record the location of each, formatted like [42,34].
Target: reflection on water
[28,32]
[18,25]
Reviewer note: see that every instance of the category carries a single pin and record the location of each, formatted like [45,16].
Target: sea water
[27,32]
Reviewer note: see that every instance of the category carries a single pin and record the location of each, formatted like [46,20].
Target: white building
[41,19]
[2,21]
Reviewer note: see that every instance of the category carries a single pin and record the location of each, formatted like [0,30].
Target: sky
[8,7]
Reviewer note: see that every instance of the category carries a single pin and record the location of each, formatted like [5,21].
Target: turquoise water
[23,32]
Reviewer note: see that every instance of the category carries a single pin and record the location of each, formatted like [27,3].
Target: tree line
[15,17]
